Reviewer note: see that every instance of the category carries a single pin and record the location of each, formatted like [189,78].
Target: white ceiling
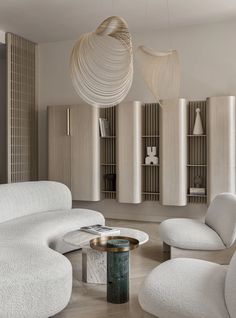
[56,20]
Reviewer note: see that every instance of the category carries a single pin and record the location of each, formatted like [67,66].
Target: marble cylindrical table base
[94,266]
[117,272]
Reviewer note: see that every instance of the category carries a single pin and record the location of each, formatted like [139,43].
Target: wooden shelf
[108,137]
[203,166]
[197,195]
[145,165]
[108,191]
[150,136]
[152,193]
[196,135]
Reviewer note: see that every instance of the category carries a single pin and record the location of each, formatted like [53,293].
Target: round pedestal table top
[81,239]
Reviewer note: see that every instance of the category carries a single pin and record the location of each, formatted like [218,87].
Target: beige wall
[208,68]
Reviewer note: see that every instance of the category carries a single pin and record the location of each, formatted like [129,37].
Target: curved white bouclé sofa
[35,279]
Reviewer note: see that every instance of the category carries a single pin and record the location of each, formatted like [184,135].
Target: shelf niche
[197,151]
[173,153]
[150,138]
[108,155]
[129,152]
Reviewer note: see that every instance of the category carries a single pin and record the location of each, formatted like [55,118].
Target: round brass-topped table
[94,261]
[117,248]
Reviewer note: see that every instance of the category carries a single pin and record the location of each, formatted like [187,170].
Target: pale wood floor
[89,301]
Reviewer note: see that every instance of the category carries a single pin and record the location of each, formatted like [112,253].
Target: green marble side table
[117,248]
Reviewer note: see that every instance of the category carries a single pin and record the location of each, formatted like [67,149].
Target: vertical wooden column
[221,145]
[129,131]
[173,153]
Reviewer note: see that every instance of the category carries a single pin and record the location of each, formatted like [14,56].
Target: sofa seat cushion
[48,228]
[190,234]
[185,288]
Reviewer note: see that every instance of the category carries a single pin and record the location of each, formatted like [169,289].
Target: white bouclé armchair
[212,240]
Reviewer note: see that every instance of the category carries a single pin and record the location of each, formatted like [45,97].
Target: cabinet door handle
[68,121]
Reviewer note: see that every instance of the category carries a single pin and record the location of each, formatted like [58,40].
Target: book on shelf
[101,230]
[104,126]
[197,191]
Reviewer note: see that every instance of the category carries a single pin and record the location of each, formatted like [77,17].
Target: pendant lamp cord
[169,25]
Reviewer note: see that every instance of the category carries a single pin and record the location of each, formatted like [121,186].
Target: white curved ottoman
[35,279]
[186,288]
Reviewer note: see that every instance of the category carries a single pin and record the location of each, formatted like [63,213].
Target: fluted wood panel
[150,138]
[221,145]
[22,111]
[197,151]
[129,160]
[108,153]
[173,153]
[59,145]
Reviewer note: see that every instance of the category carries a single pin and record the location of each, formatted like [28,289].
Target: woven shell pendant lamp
[101,63]
[161,72]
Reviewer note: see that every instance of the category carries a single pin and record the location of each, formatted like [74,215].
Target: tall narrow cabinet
[73,149]
[173,153]
[221,145]
[129,152]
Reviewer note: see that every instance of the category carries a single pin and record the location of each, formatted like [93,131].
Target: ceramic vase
[198,129]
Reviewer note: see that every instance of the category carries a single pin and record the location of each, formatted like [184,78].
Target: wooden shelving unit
[108,153]
[197,152]
[150,137]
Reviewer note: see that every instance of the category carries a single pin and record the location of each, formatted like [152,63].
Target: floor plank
[89,300]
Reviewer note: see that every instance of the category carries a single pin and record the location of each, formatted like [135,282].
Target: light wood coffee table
[94,263]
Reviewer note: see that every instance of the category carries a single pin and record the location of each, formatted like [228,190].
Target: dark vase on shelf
[110,181]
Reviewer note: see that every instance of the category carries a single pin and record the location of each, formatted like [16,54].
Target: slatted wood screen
[22,111]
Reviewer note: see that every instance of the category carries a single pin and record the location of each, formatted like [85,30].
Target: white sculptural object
[151,158]
[198,129]
[161,72]
[101,63]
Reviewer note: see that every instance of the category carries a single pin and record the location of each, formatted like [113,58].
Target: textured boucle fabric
[221,217]
[230,288]
[185,288]
[35,279]
[19,199]
[190,234]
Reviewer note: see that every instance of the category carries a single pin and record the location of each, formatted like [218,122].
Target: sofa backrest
[221,217]
[230,288]
[19,199]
